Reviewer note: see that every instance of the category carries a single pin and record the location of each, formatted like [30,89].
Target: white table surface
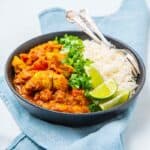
[19,22]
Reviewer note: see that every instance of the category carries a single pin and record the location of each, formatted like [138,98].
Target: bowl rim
[115,108]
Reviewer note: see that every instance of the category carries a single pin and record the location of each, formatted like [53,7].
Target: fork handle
[91,24]
[74,18]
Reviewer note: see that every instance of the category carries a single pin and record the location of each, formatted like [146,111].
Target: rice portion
[111,63]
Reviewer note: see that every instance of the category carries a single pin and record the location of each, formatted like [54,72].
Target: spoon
[72,17]
[91,24]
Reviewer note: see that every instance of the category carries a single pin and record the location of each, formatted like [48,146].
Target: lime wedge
[96,78]
[105,90]
[120,98]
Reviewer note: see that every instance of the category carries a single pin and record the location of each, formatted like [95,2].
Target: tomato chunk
[40,65]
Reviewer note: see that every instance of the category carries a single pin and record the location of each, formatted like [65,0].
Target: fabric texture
[129,24]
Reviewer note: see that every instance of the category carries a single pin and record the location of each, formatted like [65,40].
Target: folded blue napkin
[129,24]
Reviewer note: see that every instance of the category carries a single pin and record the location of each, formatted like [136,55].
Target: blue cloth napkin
[129,24]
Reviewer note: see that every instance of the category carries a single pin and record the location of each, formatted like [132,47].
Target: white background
[19,22]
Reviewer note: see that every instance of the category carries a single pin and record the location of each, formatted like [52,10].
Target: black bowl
[68,118]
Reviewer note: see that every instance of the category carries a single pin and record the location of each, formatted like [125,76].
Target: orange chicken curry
[42,78]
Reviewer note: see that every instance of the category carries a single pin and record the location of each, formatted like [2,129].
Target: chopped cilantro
[93,107]
[74,47]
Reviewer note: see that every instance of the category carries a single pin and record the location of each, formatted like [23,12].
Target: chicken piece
[54,45]
[51,46]
[23,76]
[67,70]
[60,56]
[32,57]
[40,80]
[54,63]
[18,64]
[60,82]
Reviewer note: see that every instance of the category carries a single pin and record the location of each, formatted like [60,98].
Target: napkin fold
[129,24]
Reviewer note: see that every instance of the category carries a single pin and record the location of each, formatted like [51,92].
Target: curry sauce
[42,78]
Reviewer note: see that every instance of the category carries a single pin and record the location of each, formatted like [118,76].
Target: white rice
[111,63]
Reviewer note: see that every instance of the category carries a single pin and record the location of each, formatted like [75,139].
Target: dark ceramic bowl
[68,118]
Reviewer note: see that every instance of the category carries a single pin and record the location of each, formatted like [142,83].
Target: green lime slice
[96,78]
[105,90]
[120,98]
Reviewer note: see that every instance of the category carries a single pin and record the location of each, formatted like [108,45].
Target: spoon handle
[91,24]
[73,17]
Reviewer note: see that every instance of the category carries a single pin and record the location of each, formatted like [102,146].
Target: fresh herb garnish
[93,107]
[74,47]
